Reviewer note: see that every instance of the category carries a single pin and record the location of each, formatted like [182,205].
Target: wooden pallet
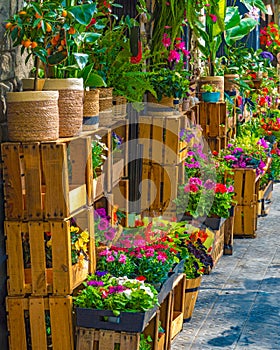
[63,277]
[29,318]
[160,139]
[160,186]
[93,339]
[45,180]
[245,221]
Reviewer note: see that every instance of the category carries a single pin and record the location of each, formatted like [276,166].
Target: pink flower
[150,252]
[195,181]
[186,53]
[166,40]
[207,5]
[213,17]
[138,255]
[161,257]
[167,27]
[103,224]
[110,258]
[122,259]
[174,56]
[104,294]
[167,3]
[180,46]
[105,252]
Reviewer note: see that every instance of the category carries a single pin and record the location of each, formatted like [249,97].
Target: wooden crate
[245,221]
[264,199]
[214,116]
[228,235]
[45,180]
[160,186]
[29,318]
[214,143]
[178,306]
[63,277]
[122,129]
[165,314]
[93,339]
[246,186]
[160,138]
[218,245]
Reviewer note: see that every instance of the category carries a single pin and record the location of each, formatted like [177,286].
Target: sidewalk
[238,306]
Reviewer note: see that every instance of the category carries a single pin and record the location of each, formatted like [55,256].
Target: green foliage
[98,149]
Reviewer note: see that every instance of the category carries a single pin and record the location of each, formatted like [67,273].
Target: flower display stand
[29,318]
[37,280]
[99,339]
[191,294]
[45,180]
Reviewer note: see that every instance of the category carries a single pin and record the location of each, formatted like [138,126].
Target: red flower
[215,153]
[141,278]
[220,188]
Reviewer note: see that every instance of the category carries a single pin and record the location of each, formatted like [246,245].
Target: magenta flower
[180,46]
[105,252]
[195,181]
[110,258]
[122,259]
[161,257]
[262,143]
[213,17]
[174,56]
[95,283]
[209,184]
[116,289]
[166,40]
[110,234]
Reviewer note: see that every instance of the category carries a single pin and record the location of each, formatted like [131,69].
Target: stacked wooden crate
[217,126]
[163,161]
[47,187]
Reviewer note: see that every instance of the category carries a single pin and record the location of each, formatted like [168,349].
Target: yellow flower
[85,236]
[74,229]
[49,243]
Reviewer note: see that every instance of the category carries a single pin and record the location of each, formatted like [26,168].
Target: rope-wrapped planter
[119,106]
[32,115]
[105,106]
[91,110]
[70,104]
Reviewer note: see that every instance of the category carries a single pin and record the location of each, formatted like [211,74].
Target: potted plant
[48,31]
[120,304]
[210,93]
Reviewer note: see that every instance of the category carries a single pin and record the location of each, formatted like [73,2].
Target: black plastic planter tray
[105,319]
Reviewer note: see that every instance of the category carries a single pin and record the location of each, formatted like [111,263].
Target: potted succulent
[210,93]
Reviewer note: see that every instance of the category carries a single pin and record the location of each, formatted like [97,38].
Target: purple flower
[103,224]
[262,143]
[238,149]
[229,145]
[230,188]
[101,273]
[95,283]
[101,212]
[110,234]
[230,157]
[209,184]
[116,289]
[267,55]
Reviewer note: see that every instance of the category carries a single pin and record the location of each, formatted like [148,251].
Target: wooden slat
[55,167]
[37,323]
[155,187]
[250,214]
[106,340]
[171,155]
[38,258]
[129,341]
[249,186]
[144,136]
[13,191]
[170,187]
[61,257]
[16,323]
[214,119]
[15,265]
[145,186]
[85,339]
[61,323]
[238,185]
[157,144]
[33,181]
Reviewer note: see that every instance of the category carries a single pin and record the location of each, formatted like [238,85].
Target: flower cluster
[152,262]
[103,230]
[270,37]
[105,292]
[116,141]
[270,123]
[176,54]
[200,198]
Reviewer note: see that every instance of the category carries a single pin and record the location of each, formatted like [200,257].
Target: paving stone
[238,304]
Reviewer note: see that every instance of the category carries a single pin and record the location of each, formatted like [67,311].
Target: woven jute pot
[105,106]
[91,110]
[230,85]
[28,84]
[164,107]
[215,80]
[119,106]
[70,104]
[32,115]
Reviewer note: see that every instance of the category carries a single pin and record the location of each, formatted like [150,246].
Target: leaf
[91,37]
[81,59]
[232,17]
[245,26]
[57,58]
[83,13]
[257,3]
[37,8]
[94,80]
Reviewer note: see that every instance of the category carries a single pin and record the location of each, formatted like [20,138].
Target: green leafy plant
[209,88]
[105,292]
[98,149]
